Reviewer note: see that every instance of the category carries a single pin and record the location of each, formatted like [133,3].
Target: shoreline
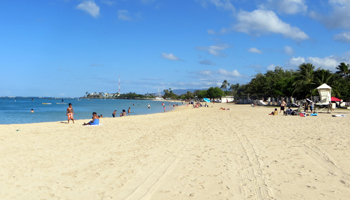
[86,120]
[336,112]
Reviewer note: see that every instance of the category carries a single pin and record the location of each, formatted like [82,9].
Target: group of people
[95,118]
[290,111]
[197,104]
[70,114]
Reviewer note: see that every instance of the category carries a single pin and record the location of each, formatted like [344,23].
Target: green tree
[169,94]
[203,94]
[305,83]
[225,85]
[189,95]
[343,69]
[215,92]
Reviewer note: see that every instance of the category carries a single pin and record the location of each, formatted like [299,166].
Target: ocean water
[17,110]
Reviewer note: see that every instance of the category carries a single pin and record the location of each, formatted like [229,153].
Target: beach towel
[94,125]
[302,114]
[338,115]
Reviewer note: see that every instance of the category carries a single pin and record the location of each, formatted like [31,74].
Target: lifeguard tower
[325,92]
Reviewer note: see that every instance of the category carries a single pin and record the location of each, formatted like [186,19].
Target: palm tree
[305,82]
[224,85]
[343,69]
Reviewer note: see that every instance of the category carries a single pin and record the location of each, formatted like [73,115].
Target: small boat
[47,103]
[61,103]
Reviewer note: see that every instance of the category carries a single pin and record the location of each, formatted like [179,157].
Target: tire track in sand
[145,185]
[254,186]
[327,161]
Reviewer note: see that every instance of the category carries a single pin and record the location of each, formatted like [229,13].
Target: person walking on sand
[114,113]
[70,113]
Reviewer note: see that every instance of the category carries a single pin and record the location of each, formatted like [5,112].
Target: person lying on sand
[95,120]
[221,108]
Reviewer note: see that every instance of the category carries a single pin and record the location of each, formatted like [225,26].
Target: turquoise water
[17,111]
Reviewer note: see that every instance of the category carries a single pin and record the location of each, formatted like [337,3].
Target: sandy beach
[187,153]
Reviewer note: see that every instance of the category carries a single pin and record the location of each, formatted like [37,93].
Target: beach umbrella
[335,99]
[206,100]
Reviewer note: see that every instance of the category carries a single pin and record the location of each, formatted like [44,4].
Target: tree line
[301,83]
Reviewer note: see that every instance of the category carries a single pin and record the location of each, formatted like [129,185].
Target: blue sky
[65,48]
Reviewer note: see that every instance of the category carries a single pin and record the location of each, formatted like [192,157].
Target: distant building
[227,99]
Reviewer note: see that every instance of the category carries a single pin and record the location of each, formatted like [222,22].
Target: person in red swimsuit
[70,113]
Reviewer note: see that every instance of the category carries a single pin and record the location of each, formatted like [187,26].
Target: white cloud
[262,21]
[342,37]
[288,50]
[329,62]
[295,62]
[89,7]
[338,18]
[124,15]
[223,4]
[211,32]
[254,50]
[286,6]
[170,56]
[271,67]
[233,73]
[215,49]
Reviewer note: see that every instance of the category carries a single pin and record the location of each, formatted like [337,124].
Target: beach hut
[325,92]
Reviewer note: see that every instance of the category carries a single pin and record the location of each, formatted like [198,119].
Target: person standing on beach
[114,113]
[311,106]
[306,107]
[283,105]
[70,113]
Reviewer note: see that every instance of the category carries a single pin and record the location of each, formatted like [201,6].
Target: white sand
[188,153]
